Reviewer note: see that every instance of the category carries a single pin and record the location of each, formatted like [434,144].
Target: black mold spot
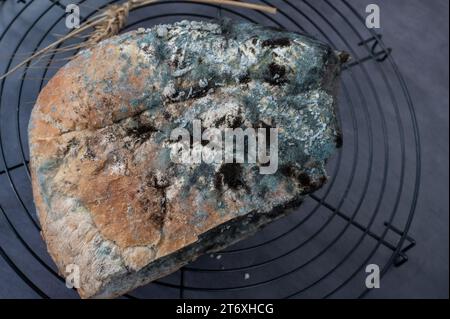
[199,92]
[304,179]
[322,181]
[231,175]
[244,78]
[141,131]
[273,43]
[344,57]
[236,122]
[175,63]
[288,171]
[231,122]
[276,74]
[220,121]
[157,217]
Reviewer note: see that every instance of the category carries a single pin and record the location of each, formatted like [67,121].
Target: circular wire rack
[322,249]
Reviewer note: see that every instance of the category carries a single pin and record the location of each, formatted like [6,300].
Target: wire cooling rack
[361,217]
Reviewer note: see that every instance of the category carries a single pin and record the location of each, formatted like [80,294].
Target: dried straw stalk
[112,20]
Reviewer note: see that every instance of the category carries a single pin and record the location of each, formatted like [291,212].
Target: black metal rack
[362,216]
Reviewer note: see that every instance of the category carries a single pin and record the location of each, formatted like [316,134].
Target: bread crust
[108,198]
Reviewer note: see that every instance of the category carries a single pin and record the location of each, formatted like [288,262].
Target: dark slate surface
[418,33]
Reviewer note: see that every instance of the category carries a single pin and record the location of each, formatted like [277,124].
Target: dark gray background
[417,30]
